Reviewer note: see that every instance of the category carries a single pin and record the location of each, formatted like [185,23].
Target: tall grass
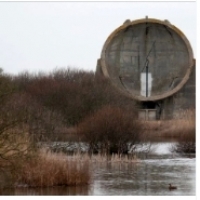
[50,169]
[174,129]
[187,139]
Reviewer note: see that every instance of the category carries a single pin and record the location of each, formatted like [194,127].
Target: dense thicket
[48,104]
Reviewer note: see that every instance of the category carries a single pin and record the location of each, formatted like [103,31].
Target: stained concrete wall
[172,106]
[151,60]
[185,99]
[148,59]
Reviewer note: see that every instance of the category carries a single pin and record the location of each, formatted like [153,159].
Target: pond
[149,176]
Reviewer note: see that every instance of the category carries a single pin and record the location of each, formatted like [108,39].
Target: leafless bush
[16,146]
[186,142]
[110,130]
[72,93]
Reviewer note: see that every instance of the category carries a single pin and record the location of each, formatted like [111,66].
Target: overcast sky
[40,36]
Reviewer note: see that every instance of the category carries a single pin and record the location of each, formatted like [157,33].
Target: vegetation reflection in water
[150,177]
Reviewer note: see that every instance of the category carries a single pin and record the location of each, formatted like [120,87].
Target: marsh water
[150,175]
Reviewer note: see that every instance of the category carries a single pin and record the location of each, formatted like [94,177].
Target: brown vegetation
[48,169]
[181,129]
[65,97]
[187,136]
[174,129]
[15,144]
[110,130]
[47,107]
[186,144]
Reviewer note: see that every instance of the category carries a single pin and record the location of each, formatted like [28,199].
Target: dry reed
[103,158]
[183,124]
[50,169]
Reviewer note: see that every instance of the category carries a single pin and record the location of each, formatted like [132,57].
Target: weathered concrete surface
[152,62]
[147,42]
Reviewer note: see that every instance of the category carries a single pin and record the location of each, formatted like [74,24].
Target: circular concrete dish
[147,59]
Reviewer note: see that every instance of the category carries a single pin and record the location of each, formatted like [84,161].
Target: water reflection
[146,178]
[59,190]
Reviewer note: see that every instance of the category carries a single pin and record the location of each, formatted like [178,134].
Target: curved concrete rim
[150,20]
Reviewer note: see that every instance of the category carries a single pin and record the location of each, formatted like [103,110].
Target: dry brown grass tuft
[50,169]
[176,128]
[187,136]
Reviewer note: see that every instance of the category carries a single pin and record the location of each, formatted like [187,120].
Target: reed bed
[174,129]
[50,169]
[103,158]
[58,169]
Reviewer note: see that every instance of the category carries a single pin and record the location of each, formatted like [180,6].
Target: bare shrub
[6,86]
[186,144]
[15,141]
[16,147]
[110,130]
[50,169]
[73,93]
[61,99]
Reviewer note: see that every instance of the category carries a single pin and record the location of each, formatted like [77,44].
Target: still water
[149,176]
